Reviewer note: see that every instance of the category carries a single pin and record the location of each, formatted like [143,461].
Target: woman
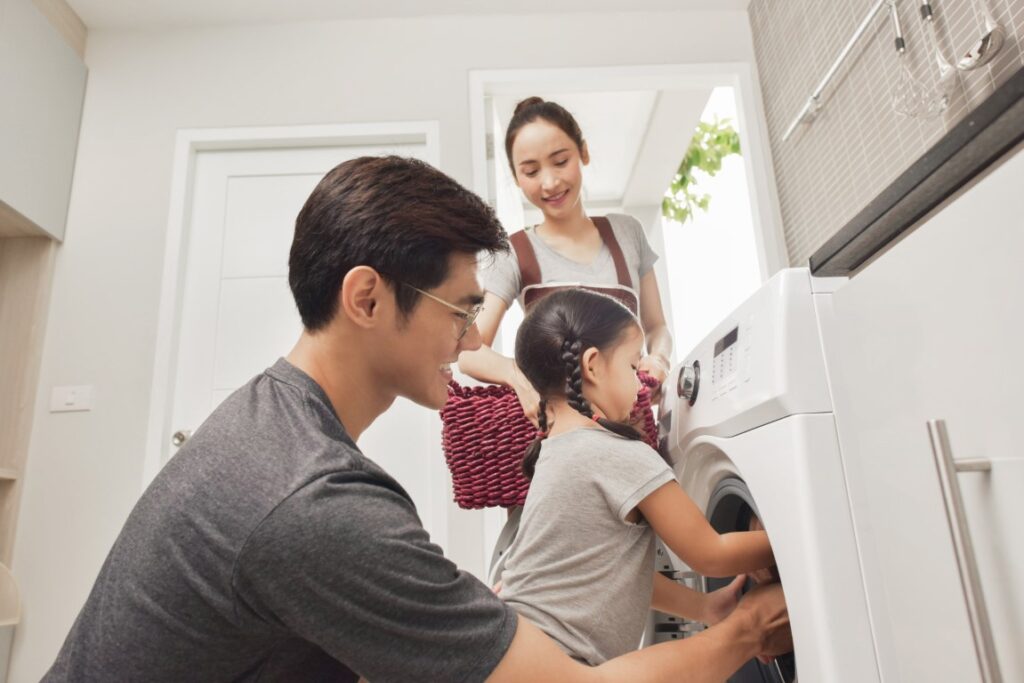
[547,152]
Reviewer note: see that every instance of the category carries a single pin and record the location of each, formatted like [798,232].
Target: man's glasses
[468,317]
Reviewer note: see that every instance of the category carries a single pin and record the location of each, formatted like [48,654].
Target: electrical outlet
[70,399]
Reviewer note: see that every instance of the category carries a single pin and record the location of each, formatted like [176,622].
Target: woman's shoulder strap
[604,228]
[529,269]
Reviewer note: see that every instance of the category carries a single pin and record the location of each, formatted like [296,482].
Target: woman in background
[547,152]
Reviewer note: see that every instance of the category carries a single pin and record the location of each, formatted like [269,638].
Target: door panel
[237,313]
[257,320]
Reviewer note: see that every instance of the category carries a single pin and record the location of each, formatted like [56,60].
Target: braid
[574,392]
[542,416]
[574,377]
[533,450]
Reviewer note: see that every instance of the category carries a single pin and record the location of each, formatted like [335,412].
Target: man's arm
[759,625]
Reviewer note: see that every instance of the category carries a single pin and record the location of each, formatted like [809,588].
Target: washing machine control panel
[725,363]
[761,363]
[731,359]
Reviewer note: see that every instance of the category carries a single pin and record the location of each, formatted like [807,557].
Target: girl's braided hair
[549,346]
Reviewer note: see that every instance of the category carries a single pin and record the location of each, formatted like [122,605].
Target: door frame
[188,144]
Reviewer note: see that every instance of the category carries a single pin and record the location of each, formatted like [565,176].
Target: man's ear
[361,295]
[589,365]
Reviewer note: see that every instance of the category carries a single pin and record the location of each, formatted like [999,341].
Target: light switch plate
[69,399]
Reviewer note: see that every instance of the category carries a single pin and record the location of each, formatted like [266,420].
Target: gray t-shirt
[502,276]
[270,548]
[577,568]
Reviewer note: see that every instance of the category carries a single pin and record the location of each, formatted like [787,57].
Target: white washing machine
[749,429]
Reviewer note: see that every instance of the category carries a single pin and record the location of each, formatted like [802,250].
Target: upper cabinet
[42,86]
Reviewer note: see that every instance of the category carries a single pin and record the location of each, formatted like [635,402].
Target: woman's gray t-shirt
[502,278]
[577,568]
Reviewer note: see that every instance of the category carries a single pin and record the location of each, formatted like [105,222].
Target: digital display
[727,341]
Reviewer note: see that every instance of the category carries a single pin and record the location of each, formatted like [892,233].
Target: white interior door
[237,315]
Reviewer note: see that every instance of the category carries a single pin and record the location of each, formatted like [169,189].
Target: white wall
[85,469]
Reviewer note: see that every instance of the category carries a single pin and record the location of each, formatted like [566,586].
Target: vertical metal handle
[970,581]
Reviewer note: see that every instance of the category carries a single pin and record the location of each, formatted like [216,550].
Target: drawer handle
[970,582]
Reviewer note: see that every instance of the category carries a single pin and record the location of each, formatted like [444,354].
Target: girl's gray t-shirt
[577,568]
[501,277]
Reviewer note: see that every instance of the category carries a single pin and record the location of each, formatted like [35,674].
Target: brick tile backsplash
[831,168]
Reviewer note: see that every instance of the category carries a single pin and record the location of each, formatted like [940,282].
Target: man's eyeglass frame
[468,317]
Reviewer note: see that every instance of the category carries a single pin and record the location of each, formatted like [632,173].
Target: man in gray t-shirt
[270,548]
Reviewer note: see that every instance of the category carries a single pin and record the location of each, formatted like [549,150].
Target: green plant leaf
[712,141]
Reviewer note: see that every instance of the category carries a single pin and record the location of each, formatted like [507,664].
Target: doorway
[638,122]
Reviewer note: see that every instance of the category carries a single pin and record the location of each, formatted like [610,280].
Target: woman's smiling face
[549,167]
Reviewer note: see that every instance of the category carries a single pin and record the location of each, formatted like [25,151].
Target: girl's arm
[707,608]
[672,598]
[659,339]
[683,528]
[487,365]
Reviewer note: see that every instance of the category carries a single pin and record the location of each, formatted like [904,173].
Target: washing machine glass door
[732,508]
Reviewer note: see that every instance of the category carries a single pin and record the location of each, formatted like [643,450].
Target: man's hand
[764,608]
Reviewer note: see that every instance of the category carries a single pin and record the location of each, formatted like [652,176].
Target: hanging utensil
[936,101]
[987,46]
[907,95]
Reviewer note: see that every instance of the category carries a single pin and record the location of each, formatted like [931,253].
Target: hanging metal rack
[814,102]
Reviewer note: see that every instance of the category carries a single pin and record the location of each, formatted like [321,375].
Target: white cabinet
[42,84]
[934,329]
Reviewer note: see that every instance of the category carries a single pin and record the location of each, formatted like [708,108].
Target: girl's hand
[529,399]
[768,574]
[720,603]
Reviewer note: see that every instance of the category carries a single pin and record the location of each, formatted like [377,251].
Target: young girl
[546,152]
[581,567]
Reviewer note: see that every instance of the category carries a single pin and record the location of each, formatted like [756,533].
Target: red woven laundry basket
[485,435]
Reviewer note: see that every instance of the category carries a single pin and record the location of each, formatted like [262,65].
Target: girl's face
[613,384]
[549,167]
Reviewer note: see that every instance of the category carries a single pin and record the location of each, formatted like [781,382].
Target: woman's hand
[656,366]
[529,399]
[720,603]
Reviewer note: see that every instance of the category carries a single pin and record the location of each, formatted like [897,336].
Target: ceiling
[179,13]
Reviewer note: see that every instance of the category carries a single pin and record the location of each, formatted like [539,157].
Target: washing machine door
[789,473]
[732,508]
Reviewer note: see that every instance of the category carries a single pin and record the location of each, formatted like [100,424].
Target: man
[270,548]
